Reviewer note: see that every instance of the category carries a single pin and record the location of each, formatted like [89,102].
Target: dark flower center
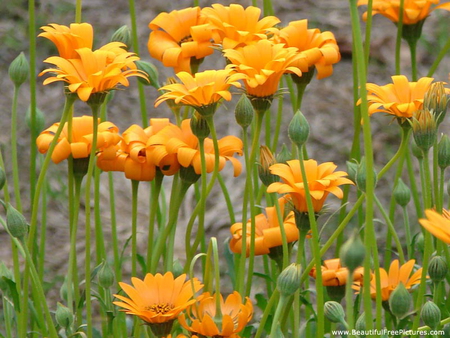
[186,39]
[160,308]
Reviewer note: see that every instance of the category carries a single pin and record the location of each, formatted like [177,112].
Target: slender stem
[407,232]
[349,302]
[398,41]
[401,152]
[99,235]
[267,311]
[134,194]
[439,58]
[78,11]
[413,49]
[114,236]
[227,197]
[32,81]
[15,164]
[156,189]
[276,318]
[413,185]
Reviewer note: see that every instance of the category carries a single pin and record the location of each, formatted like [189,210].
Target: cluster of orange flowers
[161,299]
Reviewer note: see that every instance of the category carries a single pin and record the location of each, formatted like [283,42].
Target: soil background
[328,106]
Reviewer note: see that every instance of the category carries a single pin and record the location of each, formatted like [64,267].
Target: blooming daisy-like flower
[178,37]
[234,316]
[233,26]
[322,180]
[389,281]
[68,39]
[203,90]
[263,64]
[334,274]
[96,71]
[319,48]
[80,143]
[158,299]
[436,224]
[400,98]
[267,231]
[413,10]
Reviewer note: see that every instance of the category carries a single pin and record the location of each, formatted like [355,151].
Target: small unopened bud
[431,314]
[424,129]
[400,301]
[2,178]
[353,252]
[63,291]
[444,152]
[402,193]
[436,100]
[361,175]
[266,159]
[244,112]
[437,269]
[105,276]
[298,129]
[63,316]
[334,312]
[360,324]
[177,268]
[352,169]
[39,120]
[123,34]
[16,223]
[151,71]
[284,155]
[19,70]
[419,242]
[199,126]
[288,281]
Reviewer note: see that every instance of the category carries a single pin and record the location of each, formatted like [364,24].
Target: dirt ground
[328,103]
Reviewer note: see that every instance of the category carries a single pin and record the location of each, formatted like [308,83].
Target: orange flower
[438,225]
[322,180]
[413,10]
[319,48]
[81,139]
[158,299]
[397,274]
[263,65]
[179,36]
[333,274]
[268,232]
[234,316]
[94,71]
[203,91]
[234,26]
[69,39]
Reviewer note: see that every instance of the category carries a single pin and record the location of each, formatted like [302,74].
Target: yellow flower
[438,225]
[322,180]
[413,10]
[233,26]
[263,65]
[267,231]
[333,274]
[68,39]
[81,139]
[179,36]
[319,48]
[94,71]
[158,299]
[234,316]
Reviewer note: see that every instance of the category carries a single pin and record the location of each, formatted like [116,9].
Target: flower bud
[63,291]
[446,331]
[353,252]
[123,35]
[424,129]
[105,276]
[419,242]
[298,129]
[244,112]
[39,120]
[444,152]
[437,269]
[199,126]
[266,159]
[430,314]
[16,223]
[63,316]
[151,71]
[288,281]
[436,100]
[2,178]
[361,175]
[284,155]
[334,312]
[352,169]
[360,324]
[177,268]
[19,70]
[402,193]
[400,301]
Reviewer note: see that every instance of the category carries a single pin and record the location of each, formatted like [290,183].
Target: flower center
[186,39]
[160,308]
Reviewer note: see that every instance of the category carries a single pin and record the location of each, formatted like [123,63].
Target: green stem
[409,247]
[267,311]
[349,303]
[156,190]
[400,152]
[78,11]
[99,235]
[276,318]
[32,81]
[134,194]
[413,49]
[439,58]
[15,164]
[413,185]
[398,40]
[227,197]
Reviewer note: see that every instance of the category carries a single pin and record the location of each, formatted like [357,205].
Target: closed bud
[244,112]
[436,100]
[444,152]
[402,193]
[431,315]
[400,301]
[284,155]
[19,70]
[151,71]
[437,269]
[352,169]
[424,129]
[446,331]
[334,312]
[177,268]
[2,178]
[63,316]
[361,175]
[353,252]
[123,34]
[63,291]
[39,120]
[288,281]
[199,126]
[16,223]
[360,324]
[298,130]
[105,276]
[266,159]
[419,241]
